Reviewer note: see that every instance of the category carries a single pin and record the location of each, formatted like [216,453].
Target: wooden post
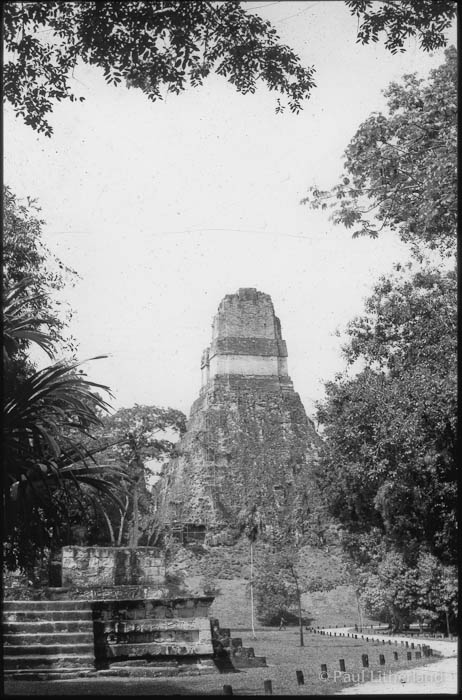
[268,686]
[300,679]
[365,660]
[342,664]
[382,659]
[227,690]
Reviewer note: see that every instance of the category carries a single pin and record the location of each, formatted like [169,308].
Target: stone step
[141,672]
[46,615]
[55,662]
[206,671]
[249,661]
[38,649]
[43,605]
[49,675]
[76,626]
[145,663]
[157,649]
[157,671]
[19,639]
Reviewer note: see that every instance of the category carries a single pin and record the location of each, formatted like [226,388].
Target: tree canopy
[153,46]
[165,46]
[387,468]
[401,19]
[400,169]
[285,574]
[37,275]
[390,430]
[131,439]
[400,594]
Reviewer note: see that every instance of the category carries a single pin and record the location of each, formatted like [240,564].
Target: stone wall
[244,365]
[248,346]
[246,314]
[135,629]
[112,566]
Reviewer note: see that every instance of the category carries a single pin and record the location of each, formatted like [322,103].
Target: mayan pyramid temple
[248,438]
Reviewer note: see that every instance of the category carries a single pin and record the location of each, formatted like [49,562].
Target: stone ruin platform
[127,629]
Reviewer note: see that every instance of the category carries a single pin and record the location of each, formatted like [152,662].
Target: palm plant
[20,325]
[46,416]
[42,424]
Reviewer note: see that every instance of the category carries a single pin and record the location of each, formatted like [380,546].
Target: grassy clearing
[284,657]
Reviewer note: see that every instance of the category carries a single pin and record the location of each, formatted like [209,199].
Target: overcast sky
[163,208]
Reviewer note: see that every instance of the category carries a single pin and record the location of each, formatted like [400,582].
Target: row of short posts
[424,649]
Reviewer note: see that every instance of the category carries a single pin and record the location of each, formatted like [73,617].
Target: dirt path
[434,678]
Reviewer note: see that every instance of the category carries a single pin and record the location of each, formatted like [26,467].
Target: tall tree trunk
[299,601]
[110,528]
[300,621]
[447,622]
[122,521]
[251,590]
[134,532]
[360,614]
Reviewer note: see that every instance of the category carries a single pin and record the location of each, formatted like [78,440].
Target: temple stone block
[112,566]
[248,439]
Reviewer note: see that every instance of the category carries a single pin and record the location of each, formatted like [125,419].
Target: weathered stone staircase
[230,655]
[67,638]
[47,640]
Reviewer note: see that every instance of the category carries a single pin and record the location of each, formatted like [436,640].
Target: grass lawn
[284,657]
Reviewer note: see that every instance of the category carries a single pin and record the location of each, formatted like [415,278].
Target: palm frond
[18,322]
[48,404]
